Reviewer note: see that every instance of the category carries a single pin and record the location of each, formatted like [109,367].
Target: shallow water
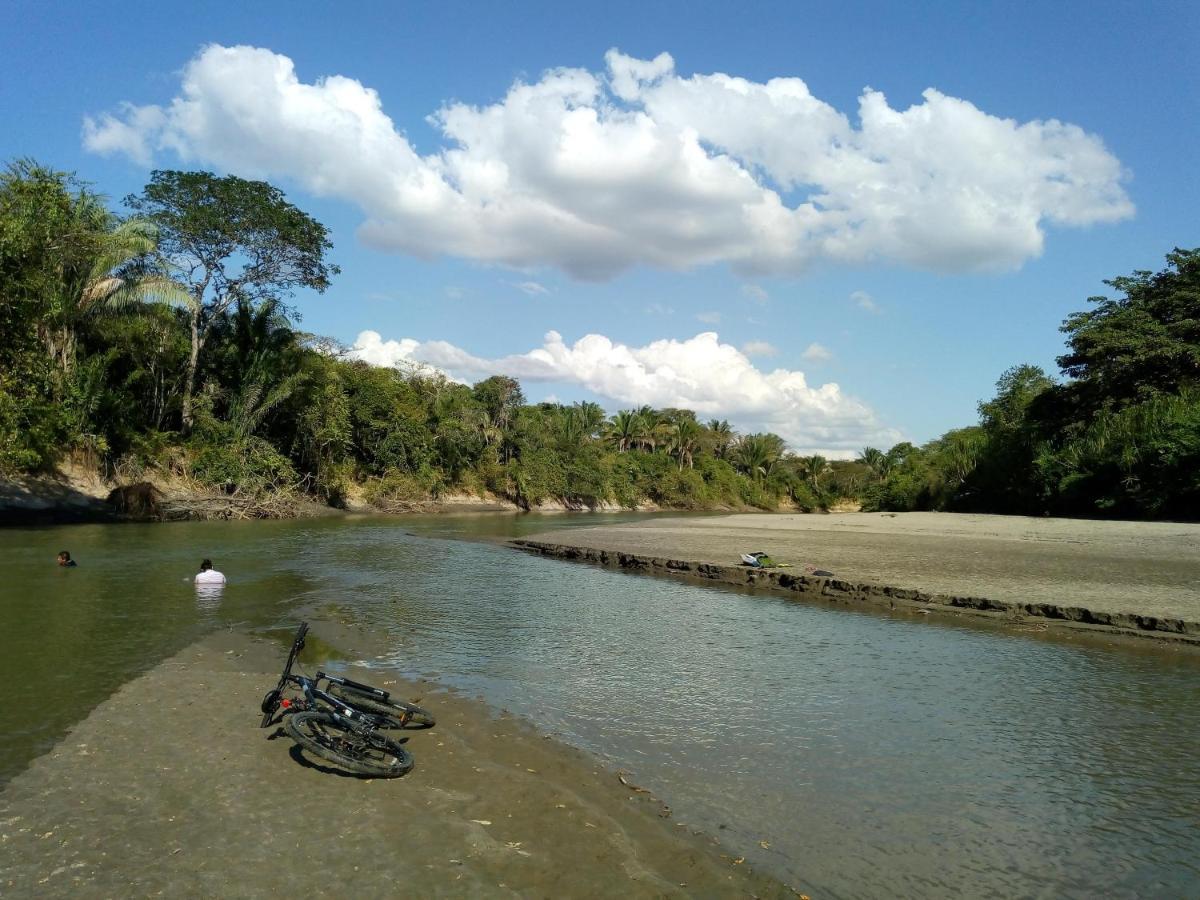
[876,755]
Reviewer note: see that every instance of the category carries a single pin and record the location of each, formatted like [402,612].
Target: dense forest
[160,345]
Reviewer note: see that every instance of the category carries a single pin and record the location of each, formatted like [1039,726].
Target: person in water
[208,575]
[64,559]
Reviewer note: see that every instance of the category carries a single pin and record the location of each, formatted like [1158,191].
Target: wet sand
[1111,569]
[169,787]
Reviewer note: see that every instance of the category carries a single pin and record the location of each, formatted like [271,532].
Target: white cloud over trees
[700,373]
[596,172]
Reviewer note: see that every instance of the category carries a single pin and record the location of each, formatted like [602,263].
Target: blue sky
[912,318]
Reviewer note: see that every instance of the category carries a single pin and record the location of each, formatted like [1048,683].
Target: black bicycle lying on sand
[346,723]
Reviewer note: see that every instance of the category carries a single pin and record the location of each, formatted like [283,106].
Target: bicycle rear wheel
[371,753]
[408,715]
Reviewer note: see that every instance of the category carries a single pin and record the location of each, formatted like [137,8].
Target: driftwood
[145,502]
[220,507]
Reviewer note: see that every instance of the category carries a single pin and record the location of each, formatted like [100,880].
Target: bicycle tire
[321,734]
[408,715]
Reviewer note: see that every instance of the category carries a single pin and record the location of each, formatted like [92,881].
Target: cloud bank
[700,373]
[595,172]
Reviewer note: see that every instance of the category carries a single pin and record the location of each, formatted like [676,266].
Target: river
[872,754]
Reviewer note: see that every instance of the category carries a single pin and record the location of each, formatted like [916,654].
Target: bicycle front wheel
[371,753]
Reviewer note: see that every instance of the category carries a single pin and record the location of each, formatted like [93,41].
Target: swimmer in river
[208,575]
[64,559]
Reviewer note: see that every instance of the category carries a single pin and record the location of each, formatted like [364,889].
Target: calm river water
[876,755]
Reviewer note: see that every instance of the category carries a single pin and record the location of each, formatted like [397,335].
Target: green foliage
[229,241]
[243,466]
[1120,438]
[1133,462]
[87,364]
[1142,344]
[397,490]
[31,427]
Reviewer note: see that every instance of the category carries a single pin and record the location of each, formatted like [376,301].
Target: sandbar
[170,788]
[1101,570]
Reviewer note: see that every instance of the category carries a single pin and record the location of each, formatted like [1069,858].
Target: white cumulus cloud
[595,172]
[700,373]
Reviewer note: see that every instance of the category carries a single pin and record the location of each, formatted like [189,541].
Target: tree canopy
[227,240]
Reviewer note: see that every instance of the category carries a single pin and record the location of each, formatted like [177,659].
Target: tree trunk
[189,381]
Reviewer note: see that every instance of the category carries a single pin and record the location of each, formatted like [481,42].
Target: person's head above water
[205,565]
[64,558]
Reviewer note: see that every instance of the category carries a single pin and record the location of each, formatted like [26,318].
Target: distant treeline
[1118,437]
[162,343]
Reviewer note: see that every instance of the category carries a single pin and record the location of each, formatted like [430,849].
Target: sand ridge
[1143,569]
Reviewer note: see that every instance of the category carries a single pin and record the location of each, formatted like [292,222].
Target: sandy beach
[1142,569]
[170,788]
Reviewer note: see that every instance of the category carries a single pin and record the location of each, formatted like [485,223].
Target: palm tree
[106,275]
[645,431]
[622,429]
[875,460]
[960,450]
[261,364]
[591,417]
[757,454]
[685,437]
[722,436]
[571,428]
[813,468]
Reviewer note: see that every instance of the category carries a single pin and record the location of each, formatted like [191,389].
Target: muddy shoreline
[83,498]
[170,787]
[1082,576]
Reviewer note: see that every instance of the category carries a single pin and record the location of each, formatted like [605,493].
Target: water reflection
[208,596]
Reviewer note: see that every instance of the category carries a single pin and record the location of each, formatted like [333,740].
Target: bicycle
[338,729]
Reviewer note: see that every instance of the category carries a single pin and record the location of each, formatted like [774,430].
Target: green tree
[622,429]
[1002,477]
[1141,344]
[756,455]
[227,241]
[684,440]
[875,460]
[500,397]
[721,436]
[814,468]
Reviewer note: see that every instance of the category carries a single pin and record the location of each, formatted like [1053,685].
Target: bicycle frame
[315,698]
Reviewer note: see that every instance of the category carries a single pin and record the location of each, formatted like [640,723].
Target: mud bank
[837,590]
[169,787]
[73,497]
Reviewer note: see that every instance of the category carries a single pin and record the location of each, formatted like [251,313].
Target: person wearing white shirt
[208,575]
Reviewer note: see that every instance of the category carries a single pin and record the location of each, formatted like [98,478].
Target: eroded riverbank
[170,787]
[1128,578]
